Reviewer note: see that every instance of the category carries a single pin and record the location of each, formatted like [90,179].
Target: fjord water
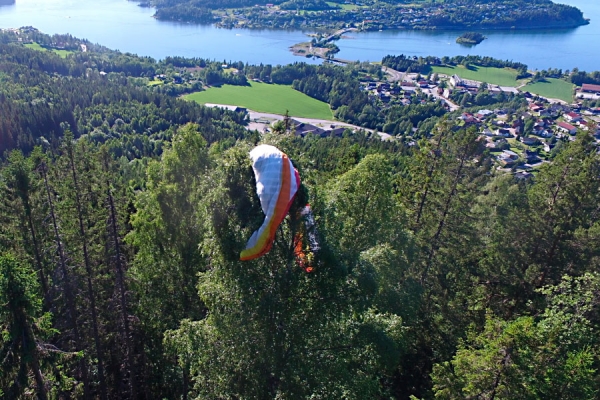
[539,49]
[122,25]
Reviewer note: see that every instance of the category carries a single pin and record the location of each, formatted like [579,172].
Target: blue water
[123,25]
[538,49]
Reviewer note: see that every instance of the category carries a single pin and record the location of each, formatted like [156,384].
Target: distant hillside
[372,14]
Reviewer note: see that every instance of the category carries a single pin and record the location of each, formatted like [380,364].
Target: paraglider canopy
[277,183]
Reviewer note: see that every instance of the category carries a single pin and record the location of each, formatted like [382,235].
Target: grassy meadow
[264,97]
[551,88]
[496,76]
[36,46]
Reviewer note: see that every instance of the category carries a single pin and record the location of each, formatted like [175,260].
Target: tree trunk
[67,287]
[88,268]
[121,285]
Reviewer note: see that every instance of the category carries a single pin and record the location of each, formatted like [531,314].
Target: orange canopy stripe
[285,198]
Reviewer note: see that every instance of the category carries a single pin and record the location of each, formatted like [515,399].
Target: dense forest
[123,211]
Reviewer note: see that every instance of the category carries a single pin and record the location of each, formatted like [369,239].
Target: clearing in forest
[38,47]
[551,88]
[496,76]
[264,97]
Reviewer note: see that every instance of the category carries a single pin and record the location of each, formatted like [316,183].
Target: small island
[470,38]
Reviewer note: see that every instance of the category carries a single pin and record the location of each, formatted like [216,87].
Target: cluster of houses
[405,92]
[302,129]
[550,122]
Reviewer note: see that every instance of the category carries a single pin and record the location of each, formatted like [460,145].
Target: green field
[552,88]
[266,98]
[345,7]
[496,76]
[36,46]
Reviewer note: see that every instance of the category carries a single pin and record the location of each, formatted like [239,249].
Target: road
[393,75]
[434,93]
[267,119]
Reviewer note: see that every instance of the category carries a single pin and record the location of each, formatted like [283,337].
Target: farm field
[496,76]
[345,7]
[266,98]
[36,46]
[552,88]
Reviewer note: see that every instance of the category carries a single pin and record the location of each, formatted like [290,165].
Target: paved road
[434,93]
[393,75]
[267,119]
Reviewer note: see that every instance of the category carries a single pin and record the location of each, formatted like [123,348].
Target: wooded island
[470,38]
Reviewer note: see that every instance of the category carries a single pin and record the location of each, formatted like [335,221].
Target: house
[339,131]
[586,87]
[508,158]
[503,132]
[568,128]
[523,175]
[468,118]
[540,131]
[302,129]
[484,113]
[535,107]
[456,81]
[488,132]
[573,117]
[497,145]
[531,156]
[544,113]
[530,141]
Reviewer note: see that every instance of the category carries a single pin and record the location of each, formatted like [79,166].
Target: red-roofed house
[563,126]
[586,87]
[573,117]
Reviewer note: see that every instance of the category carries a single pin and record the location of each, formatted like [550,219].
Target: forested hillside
[123,211]
[372,14]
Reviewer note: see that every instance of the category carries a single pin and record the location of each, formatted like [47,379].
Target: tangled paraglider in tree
[277,182]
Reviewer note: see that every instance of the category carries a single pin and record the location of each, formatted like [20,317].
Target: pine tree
[22,323]
[20,190]
[167,230]
[80,210]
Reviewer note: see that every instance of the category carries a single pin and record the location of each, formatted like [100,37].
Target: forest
[123,211]
[373,14]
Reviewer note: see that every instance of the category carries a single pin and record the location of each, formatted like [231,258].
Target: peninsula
[332,15]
